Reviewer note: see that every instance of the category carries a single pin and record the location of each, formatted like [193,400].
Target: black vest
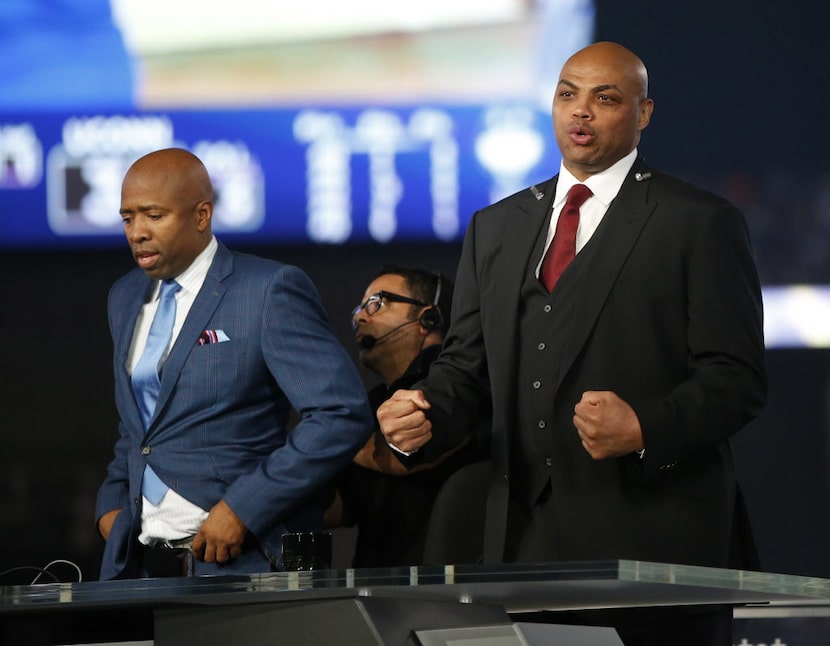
[545,323]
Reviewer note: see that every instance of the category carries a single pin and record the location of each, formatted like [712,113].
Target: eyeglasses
[377,300]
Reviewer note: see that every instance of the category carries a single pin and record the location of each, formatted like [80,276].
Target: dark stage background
[741,100]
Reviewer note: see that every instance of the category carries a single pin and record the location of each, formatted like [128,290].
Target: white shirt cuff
[401,451]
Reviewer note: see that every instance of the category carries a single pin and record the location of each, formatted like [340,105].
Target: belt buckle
[183,547]
[179,543]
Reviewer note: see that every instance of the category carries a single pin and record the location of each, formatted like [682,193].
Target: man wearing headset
[399,328]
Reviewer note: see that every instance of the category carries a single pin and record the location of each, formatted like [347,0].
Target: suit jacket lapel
[126,329]
[201,312]
[520,236]
[612,242]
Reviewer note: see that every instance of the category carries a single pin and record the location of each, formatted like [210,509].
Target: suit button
[541,423]
[541,346]
[547,308]
[537,385]
[136,501]
[548,461]
[145,450]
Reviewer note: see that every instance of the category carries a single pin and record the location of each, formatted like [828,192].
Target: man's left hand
[607,425]
[221,535]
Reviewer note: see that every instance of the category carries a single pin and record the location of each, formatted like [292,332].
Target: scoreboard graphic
[313,175]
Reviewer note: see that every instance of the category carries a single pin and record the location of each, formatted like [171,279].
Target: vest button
[537,385]
[145,450]
[541,423]
[548,461]
[547,308]
[541,346]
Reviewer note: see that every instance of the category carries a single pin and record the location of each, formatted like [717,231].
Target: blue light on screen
[445,111]
[310,175]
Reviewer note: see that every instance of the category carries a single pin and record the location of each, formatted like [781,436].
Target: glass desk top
[516,587]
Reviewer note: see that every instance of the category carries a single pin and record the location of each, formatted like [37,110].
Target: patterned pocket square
[212,336]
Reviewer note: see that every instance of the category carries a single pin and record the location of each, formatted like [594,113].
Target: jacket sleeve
[114,493]
[322,384]
[726,383]
[457,386]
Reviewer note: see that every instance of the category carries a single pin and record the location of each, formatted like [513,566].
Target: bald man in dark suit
[614,394]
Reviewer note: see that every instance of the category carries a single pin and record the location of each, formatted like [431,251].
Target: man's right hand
[105,522]
[403,421]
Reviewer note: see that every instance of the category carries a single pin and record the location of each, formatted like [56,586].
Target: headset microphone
[368,342]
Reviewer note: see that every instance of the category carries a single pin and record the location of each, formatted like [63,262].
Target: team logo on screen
[85,171]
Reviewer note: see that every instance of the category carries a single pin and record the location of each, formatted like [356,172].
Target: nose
[580,110]
[136,231]
[359,318]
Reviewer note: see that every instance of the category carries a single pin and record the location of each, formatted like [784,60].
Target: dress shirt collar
[192,278]
[604,185]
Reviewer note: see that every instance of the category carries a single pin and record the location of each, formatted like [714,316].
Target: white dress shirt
[174,518]
[604,186]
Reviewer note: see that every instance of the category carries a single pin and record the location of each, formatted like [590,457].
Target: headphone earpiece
[431,317]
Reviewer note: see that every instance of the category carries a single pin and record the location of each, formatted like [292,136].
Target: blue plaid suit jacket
[221,425]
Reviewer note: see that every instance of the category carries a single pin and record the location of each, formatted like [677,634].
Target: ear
[646,108]
[204,215]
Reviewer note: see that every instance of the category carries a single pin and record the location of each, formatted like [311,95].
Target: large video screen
[318,122]
[324,122]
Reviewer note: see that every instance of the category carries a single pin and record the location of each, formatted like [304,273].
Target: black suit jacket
[668,315]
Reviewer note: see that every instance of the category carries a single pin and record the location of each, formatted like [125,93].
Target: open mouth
[145,258]
[580,135]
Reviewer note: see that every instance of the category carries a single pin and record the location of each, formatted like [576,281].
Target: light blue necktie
[145,376]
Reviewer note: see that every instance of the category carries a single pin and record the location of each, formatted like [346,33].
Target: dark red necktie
[563,248]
